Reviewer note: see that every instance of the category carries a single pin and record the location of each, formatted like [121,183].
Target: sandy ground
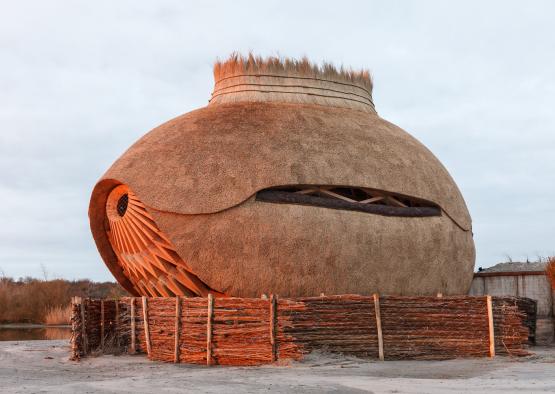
[43,366]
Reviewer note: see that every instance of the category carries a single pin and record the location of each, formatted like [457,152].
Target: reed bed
[58,315]
[246,331]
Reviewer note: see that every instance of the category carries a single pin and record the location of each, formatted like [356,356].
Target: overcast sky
[82,80]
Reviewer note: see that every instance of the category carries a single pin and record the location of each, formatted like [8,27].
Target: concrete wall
[536,287]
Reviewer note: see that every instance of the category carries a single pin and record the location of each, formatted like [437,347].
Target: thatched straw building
[287,182]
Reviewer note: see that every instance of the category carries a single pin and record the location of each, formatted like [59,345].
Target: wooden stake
[147,332]
[273,318]
[133,348]
[379,326]
[84,327]
[102,325]
[116,324]
[209,330]
[177,328]
[490,327]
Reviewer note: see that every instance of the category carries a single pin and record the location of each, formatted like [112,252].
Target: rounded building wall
[294,250]
[401,227]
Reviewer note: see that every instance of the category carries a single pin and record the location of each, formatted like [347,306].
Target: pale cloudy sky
[82,80]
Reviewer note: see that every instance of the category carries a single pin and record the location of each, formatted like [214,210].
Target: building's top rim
[286,80]
[238,64]
[515,267]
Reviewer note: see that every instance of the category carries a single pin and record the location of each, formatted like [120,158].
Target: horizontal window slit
[351,199]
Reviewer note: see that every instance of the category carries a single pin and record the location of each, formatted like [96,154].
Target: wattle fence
[247,331]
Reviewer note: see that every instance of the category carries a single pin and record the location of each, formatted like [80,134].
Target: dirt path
[43,366]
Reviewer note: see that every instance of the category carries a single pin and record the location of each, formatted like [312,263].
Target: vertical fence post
[133,348]
[209,329]
[84,326]
[379,326]
[102,329]
[273,317]
[116,324]
[490,327]
[177,328]
[147,332]
[76,328]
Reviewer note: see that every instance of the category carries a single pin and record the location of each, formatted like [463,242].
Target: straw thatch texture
[216,157]
[196,176]
[237,64]
[295,250]
[291,89]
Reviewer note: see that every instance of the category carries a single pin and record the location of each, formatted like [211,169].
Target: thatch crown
[254,78]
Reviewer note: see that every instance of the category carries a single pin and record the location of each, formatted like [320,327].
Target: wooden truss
[145,254]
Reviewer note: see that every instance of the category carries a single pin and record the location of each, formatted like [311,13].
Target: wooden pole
[209,330]
[147,332]
[490,327]
[84,326]
[102,325]
[273,318]
[76,347]
[379,326]
[177,328]
[133,348]
[116,324]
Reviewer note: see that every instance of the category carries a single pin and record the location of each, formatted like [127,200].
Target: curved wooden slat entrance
[146,255]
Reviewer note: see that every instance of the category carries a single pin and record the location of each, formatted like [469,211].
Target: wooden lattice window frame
[350,198]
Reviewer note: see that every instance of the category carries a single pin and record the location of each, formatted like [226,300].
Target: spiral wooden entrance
[146,255]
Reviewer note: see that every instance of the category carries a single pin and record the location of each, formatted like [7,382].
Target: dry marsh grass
[31,300]
[58,315]
[237,63]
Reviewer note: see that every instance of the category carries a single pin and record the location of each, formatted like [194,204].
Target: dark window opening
[350,198]
[122,204]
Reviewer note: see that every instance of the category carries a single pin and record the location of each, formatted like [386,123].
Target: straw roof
[515,266]
[252,64]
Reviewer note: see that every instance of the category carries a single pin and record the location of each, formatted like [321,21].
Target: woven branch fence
[247,331]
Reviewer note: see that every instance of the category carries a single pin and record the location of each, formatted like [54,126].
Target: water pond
[30,332]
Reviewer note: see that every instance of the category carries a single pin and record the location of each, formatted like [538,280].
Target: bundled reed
[237,64]
[527,306]
[510,329]
[431,328]
[247,331]
[77,341]
[550,271]
[345,324]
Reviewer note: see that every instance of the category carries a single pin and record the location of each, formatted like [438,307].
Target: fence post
[133,348]
[116,324]
[177,328]
[209,329]
[147,332]
[490,327]
[379,326]
[102,330]
[84,326]
[273,317]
